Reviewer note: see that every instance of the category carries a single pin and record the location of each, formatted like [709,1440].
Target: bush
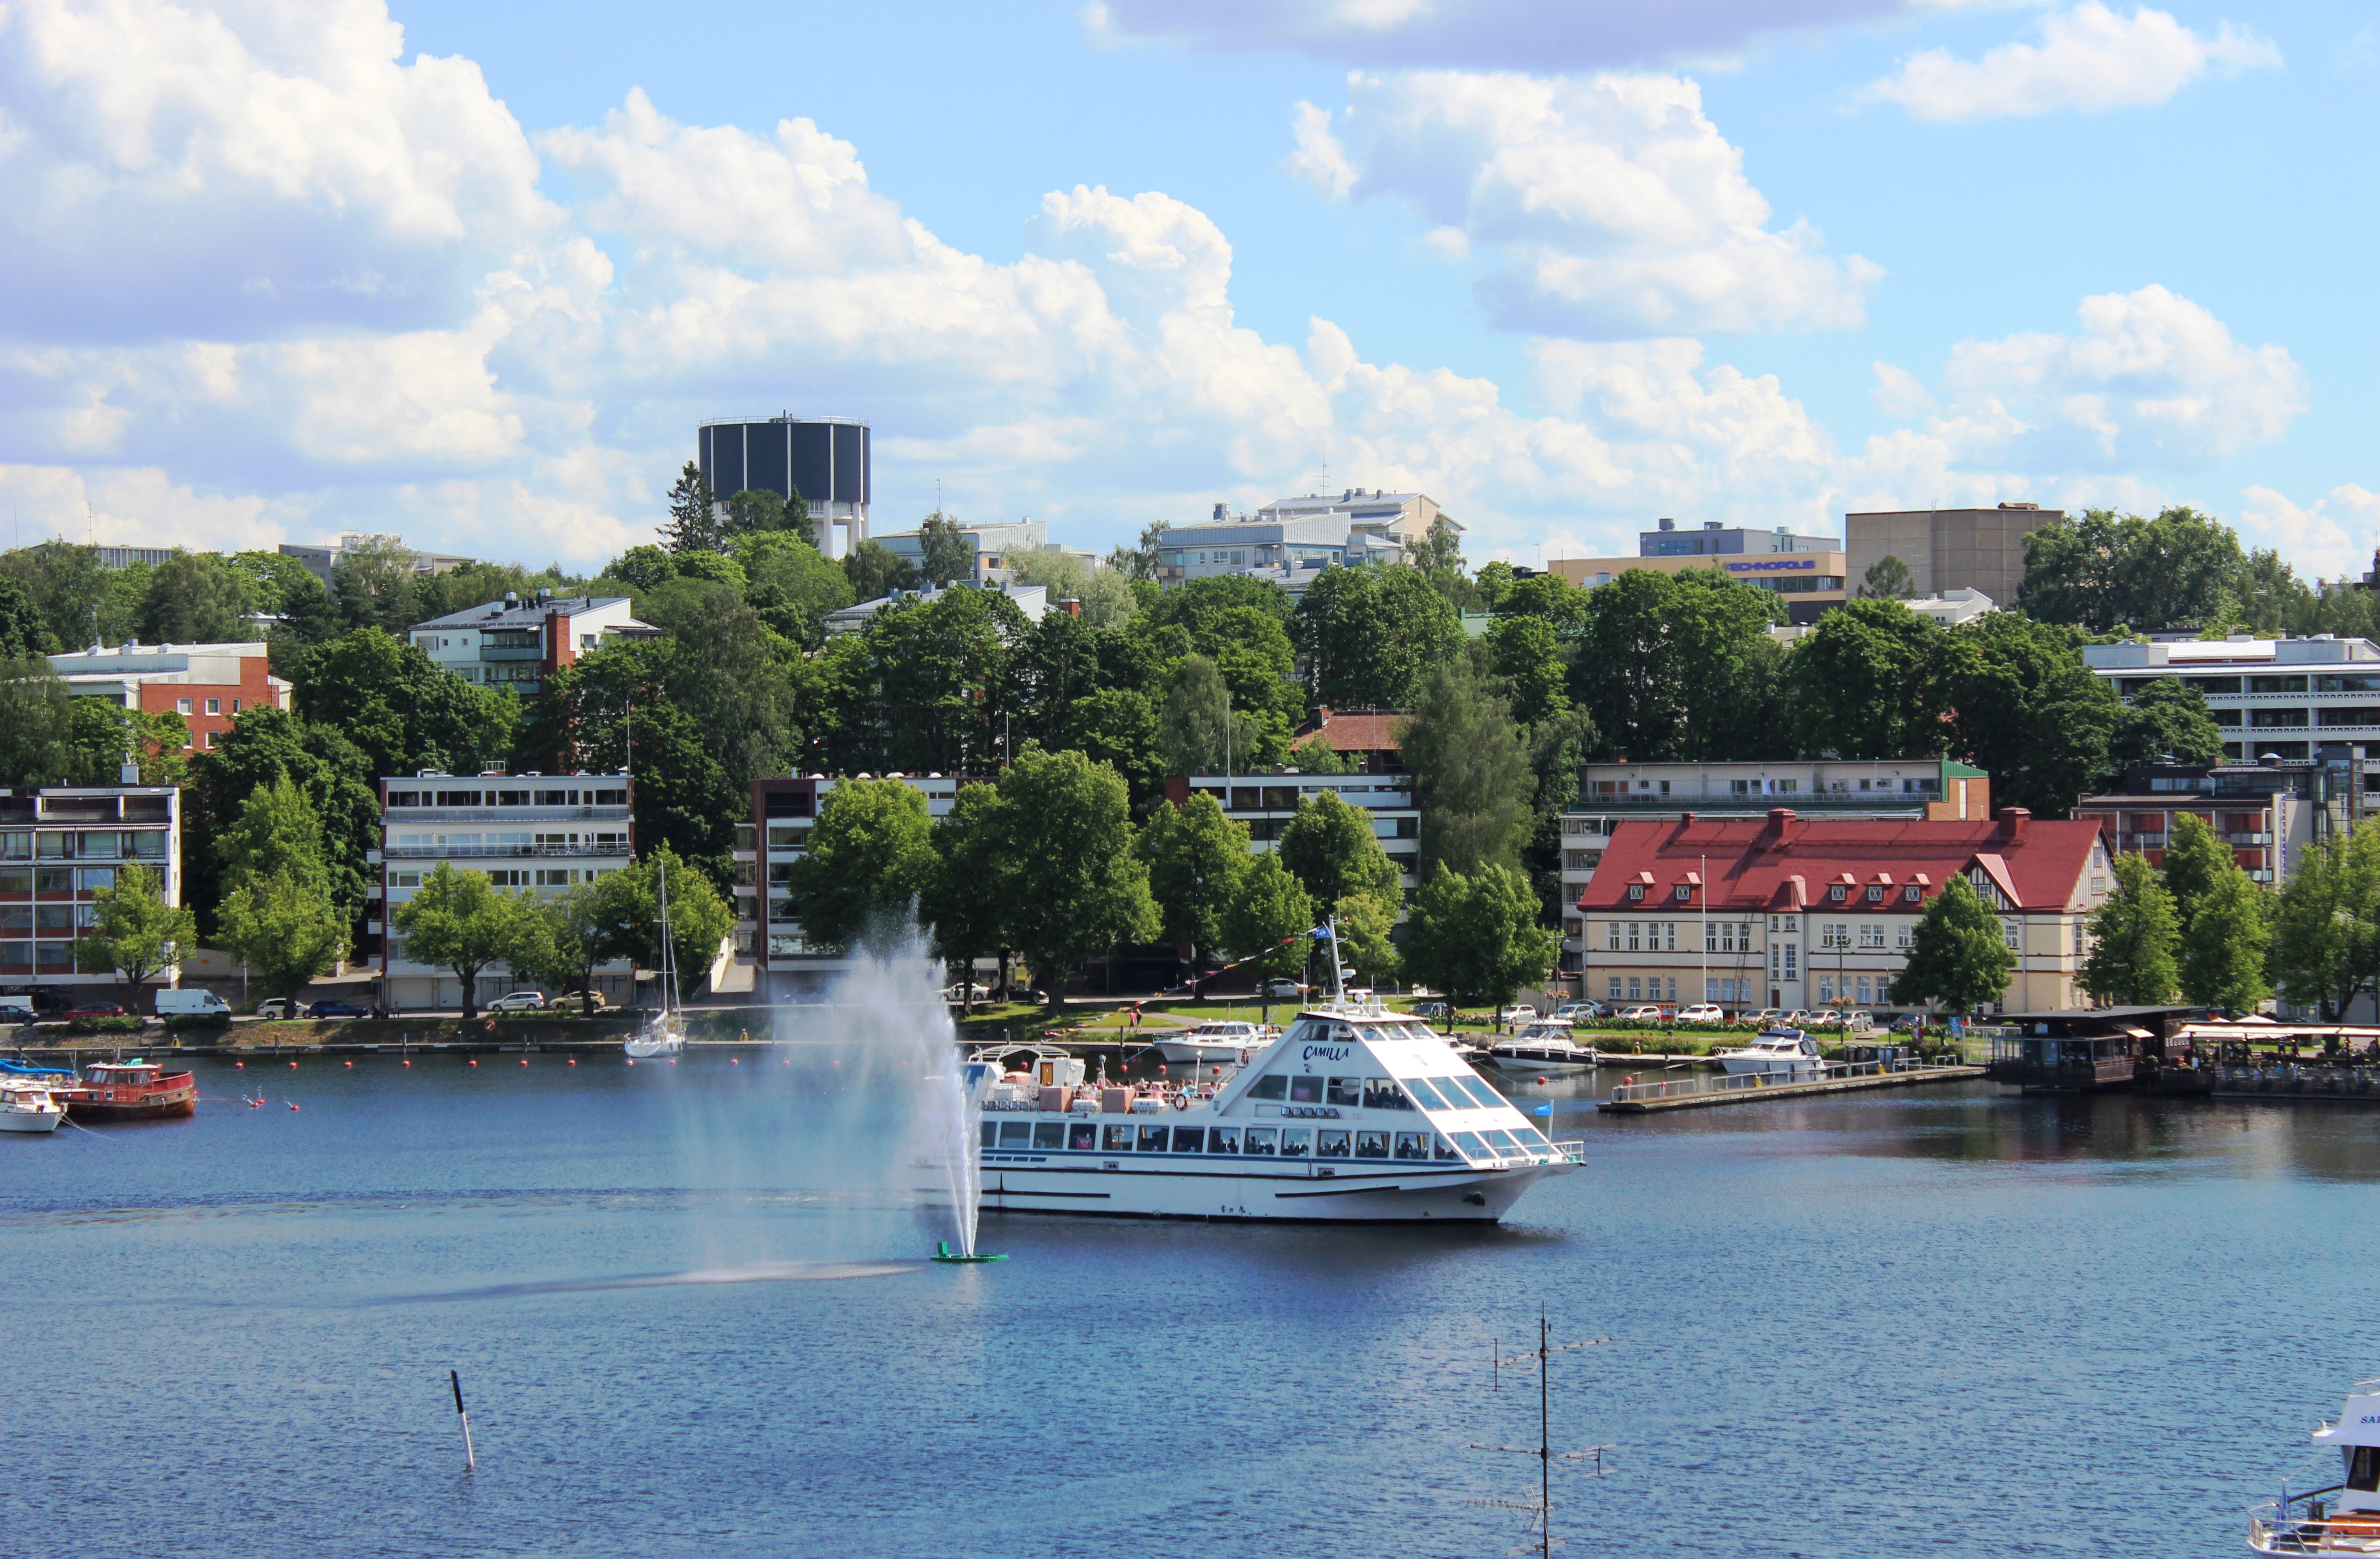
[106,1025]
[182,1022]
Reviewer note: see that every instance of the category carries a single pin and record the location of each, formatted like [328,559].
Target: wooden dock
[1687,1098]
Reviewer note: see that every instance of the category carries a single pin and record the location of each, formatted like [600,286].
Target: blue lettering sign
[1768,564]
[1327,1052]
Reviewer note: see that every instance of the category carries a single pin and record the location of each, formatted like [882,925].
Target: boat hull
[31,1121]
[178,1102]
[1179,1050]
[1524,1063]
[1450,1194]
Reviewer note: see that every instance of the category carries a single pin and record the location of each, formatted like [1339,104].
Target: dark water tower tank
[823,458]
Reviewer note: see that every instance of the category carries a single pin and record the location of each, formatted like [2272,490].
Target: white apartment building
[59,845]
[1290,540]
[1267,802]
[529,832]
[1033,600]
[2302,700]
[522,643]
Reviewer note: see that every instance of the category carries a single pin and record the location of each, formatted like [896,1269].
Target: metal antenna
[1538,1358]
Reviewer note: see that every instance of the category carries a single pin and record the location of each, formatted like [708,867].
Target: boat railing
[1574,1151]
[2306,1524]
[1698,1083]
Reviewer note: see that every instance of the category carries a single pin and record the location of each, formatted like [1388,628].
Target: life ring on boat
[1180,1102]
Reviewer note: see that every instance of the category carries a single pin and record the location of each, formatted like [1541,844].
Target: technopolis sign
[1768,564]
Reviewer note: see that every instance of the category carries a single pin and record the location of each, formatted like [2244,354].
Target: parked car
[966,992]
[193,1003]
[16,1009]
[1577,1010]
[337,1009]
[1858,1022]
[1909,1021]
[275,1007]
[1641,1014]
[94,1009]
[1702,1012]
[1432,1009]
[518,1001]
[1283,990]
[1767,1017]
[1518,1013]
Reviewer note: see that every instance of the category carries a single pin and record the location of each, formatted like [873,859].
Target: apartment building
[529,832]
[1292,539]
[59,845]
[2299,700]
[1936,790]
[1949,550]
[208,684]
[1033,600]
[521,644]
[2268,813]
[320,557]
[1267,802]
[999,548]
[1789,912]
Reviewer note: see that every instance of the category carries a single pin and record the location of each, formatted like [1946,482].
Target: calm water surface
[1941,1321]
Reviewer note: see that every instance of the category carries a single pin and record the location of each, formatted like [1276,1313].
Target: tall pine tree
[693,525]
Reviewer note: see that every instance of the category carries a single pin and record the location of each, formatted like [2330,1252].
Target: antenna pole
[470,1461]
[1545,1440]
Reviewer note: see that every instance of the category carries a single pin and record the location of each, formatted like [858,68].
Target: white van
[193,1003]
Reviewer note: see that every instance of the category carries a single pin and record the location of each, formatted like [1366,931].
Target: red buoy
[475,1061]
[351,1066]
[574,1061]
[734,1062]
[293,1066]
[241,1065]
[405,1063]
[524,1060]
[293,1104]
[632,1060]
[673,1060]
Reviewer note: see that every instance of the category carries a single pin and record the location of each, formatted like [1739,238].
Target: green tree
[792,586]
[876,571]
[48,736]
[563,939]
[1862,683]
[2101,571]
[277,832]
[2022,707]
[699,916]
[1267,925]
[457,921]
[1197,730]
[1529,655]
[761,512]
[196,598]
[945,552]
[1330,849]
[1313,754]
[2224,947]
[1958,956]
[1078,888]
[2323,937]
[1888,579]
[20,625]
[1681,666]
[1140,562]
[264,746]
[693,523]
[2195,860]
[967,898]
[284,926]
[641,569]
[2134,936]
[1365,926]
[373,582]
[1196,857]
[2165,721]
[1476,936]
[871,854]
[406,714]
[133,930]
[931,689]
[1371,633]
[1471,772]
[76,598]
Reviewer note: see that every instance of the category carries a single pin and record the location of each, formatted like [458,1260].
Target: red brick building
[210,686]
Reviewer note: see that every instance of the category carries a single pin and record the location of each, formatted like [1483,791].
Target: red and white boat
[132,1089]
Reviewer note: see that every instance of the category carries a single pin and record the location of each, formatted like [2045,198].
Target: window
[1684,892]
[1296,1142]
[1152,1138]
[1876,894]
[1673,990]
[1371,1144]
[1413,1145]
[1347,1092]
[1118,1139]
[2078,938]
[1223,1139]
[1615,987]
[1792,953]
[2009,934]
[1431,1099]
[1330,1145]
[1636,930]
[181,705]
[1016,1133]
[1863,988]
[1669,936]
[1838,893]
[235,706]
[1826,989]
[1901,934]
[1835,936]
[210,738]
[1083,1136]
[1049,1135]
[1611,936]
[1263,1140]
[1636,989]
[1273,1086]
[214,706]
[1304,1090]
[1871,936]
[1911,894]
[2364,1469]
[1635,892]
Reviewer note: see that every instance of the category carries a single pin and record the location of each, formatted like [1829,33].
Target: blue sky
[471,274]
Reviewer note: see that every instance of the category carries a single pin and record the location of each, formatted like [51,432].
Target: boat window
[1371,1144]
[1472,1146]
[1083,1137]
[1274,1085]
[1189,1139]
[1296,1142]
[1347,1091]
[1152,1138]
[1223,1139]
[1303,1030]
[1382,1093]
[1049,1134]
[1304,1090]
[1016,1133]
[1119,1138]
[991,1132]
[1331,1144]
[2363,1470]
[1502,1143]
[1534,1137]
[1413,1144]
[1444,1149]
[1371,1030]
[1263,1138]
[1482,1096]
[1431,1099]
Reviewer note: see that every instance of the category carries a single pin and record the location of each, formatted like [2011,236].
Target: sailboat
[666,1035]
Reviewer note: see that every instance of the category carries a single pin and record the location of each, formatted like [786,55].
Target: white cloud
[2089,58]
[2337,537]
[1319,159]
[1616,208]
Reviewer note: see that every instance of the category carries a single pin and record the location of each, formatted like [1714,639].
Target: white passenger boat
[1545,1045]
[1782,1052]
[2343,1517]
[666,1035]
[27,1106]
[1234,1042]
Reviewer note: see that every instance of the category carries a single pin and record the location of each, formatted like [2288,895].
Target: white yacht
[28,1105]
[1778,1053]
[2343,1517]
[1542,1046]
[1220,1041]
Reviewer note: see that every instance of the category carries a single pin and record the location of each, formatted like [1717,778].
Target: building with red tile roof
[1368,736]
[1789,912]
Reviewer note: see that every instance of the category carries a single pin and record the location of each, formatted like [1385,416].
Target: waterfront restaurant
[2080,1051]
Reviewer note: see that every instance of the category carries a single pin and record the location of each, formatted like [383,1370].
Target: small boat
[1775,1053]
[29,1107]
[134,1090]
[666,1035]
[1542,1046]
[1216,1041]
[2343,1517]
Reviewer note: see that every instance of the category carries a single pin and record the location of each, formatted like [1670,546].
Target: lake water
[1938,1321]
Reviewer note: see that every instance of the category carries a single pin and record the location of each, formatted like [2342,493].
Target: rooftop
[1354,731]
[522,614]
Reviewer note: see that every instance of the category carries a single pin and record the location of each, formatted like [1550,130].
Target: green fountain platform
[942,1252]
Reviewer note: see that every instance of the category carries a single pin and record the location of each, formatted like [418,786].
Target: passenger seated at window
[1371,1144]
[1153,1138]
[1413,1144]
[1333,1144]
[1223,1139]
[1189,1139]
[1296,1143]
[1444,1150]
[1119,1138]
[1346,1091]
[1049,1134]
[1263,1140]
[1304,1090]
[1083,1137]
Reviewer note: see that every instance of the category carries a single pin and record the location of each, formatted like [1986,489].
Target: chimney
[2012,821]
[1780,824]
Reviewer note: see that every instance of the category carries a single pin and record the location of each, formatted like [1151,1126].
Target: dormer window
[1684,892]
[1876,894]
[1837,893]
[1910,895]
[1635,891]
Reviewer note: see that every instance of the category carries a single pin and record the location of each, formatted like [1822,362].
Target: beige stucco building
[1949,548]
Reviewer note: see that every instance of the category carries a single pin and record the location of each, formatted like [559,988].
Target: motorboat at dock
[1219,1041]
[134,1090]
[1355,1114]
[1542,1046]
[2343,1517]
[1784,1054]
[27,1105]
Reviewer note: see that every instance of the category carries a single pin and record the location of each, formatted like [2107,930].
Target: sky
[472,275]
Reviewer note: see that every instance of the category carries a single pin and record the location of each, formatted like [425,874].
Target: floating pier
[1706,1089]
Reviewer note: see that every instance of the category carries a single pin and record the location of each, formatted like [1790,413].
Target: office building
[826,459]
[59,845]
[1714,539]
[1812,583]
[2301,700]
[1290,538]
[538,833]
[518,642]
[1792,911]
[999,548]
[127,557]
[1935,789]
[321,557]
[1949,550]
[210,686]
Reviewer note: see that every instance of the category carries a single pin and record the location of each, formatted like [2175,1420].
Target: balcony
[510,652]
[478,851]
[1912,802]
[529,811]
